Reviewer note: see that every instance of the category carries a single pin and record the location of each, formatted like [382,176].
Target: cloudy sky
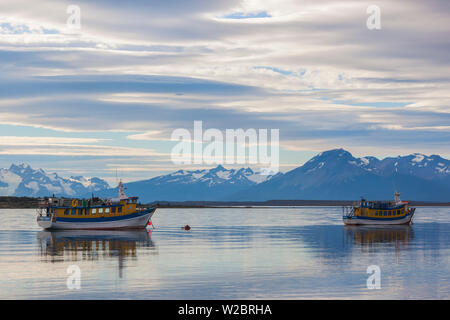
[107,96]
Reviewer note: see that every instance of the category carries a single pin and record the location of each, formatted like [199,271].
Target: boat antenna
[393,184]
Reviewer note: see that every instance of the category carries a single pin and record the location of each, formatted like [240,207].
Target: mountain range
[22,180]
[330,175]
[337,175]
[184,185]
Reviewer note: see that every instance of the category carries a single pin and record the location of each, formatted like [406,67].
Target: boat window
[74,211]
[113,210]
[66,212]
[119,210]
[94,211]
[100,210]
[106,210]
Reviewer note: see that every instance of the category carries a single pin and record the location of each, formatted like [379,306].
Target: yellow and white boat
[379,212]
[93,214]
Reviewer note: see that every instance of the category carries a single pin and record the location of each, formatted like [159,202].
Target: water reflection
[91,245]
[377,237]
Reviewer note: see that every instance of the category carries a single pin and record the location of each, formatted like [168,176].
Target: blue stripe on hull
[376,219]
[105,219]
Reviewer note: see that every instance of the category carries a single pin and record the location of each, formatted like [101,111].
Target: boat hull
[358,220]
[136,220]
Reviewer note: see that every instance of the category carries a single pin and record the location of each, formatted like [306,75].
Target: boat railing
[348,211]
[142,209]
[43,212]
[40,211]
[383,205]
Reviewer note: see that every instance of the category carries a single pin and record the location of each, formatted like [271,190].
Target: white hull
[377,221]
[136,221]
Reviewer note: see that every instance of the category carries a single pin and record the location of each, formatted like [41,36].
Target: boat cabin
[90,208]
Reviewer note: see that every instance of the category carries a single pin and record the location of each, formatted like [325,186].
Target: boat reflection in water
[371,238]
[91,245]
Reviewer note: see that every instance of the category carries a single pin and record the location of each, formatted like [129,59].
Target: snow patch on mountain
[365,161]
[9,181]
[223,174]
[418,158]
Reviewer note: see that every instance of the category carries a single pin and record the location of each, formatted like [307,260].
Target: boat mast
[397,198]
[121,192]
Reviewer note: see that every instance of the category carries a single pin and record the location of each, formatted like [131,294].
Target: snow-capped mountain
[337,175]
[417,164]
[22,180]
[183,185]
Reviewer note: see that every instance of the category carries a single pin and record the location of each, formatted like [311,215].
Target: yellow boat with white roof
[94,213]
[379,212]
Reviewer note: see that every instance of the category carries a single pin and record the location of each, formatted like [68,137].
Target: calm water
[239,253]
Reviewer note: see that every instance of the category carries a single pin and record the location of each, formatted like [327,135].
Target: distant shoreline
[276,203]
[31,203]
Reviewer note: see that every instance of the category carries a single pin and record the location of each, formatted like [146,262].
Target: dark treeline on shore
[28,202]
[18,202]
